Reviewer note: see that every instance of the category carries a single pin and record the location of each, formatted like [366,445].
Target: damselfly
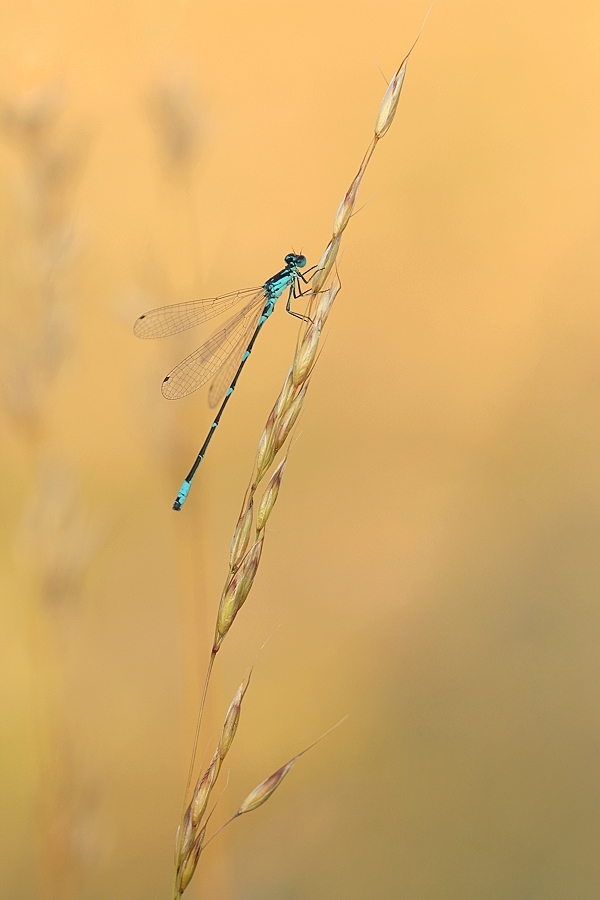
[225,353]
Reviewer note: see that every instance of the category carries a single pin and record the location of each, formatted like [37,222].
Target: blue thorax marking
[276,285]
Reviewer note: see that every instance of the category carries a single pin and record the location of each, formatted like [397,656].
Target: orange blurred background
[432,566]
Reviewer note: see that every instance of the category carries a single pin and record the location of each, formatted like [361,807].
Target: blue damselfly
[225,353]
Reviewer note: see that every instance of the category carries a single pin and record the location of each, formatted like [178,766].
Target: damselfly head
[295,259]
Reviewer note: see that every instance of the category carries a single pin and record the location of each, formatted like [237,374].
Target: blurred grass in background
[433,561]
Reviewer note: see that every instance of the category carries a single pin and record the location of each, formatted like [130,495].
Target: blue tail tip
[181,496]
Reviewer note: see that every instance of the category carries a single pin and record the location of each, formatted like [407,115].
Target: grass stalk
[245,555]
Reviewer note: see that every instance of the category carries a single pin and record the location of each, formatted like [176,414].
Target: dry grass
[56,539]
[249,534]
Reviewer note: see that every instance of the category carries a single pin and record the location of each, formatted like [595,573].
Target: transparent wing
[197,368]
[180,316]
[226,373]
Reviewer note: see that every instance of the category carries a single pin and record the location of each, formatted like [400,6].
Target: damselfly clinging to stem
[227,350]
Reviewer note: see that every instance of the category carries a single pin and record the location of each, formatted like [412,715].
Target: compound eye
[290,258]
[300,261]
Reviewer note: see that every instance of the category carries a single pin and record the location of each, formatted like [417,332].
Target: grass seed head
[265,453]
[203,788]
[188,832]
[286,423]
[285,397]
[269,498]
[248,571]
[241,536]
[346,207]
[325,264]
[389,104]
[264,790]
[227,609]
[200,798]
[305,356]
[325,303]
[236,591]
[232,720]
[188,867]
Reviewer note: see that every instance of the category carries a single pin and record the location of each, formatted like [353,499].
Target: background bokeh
[432,566]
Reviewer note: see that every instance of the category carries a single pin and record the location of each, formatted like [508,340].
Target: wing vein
[167,320]
[201,365]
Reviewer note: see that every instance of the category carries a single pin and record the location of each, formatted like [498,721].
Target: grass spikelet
[188,867]
[326,262]
[186,838]
[346,207]
[389,104]
[202,791]
[199,802]
[325,303]
[306,354]
[236,592]
[266,452]
[241,535]
[232,719]
[286,396]
[265,789]
[269,498]
[248,571]
[285,424]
